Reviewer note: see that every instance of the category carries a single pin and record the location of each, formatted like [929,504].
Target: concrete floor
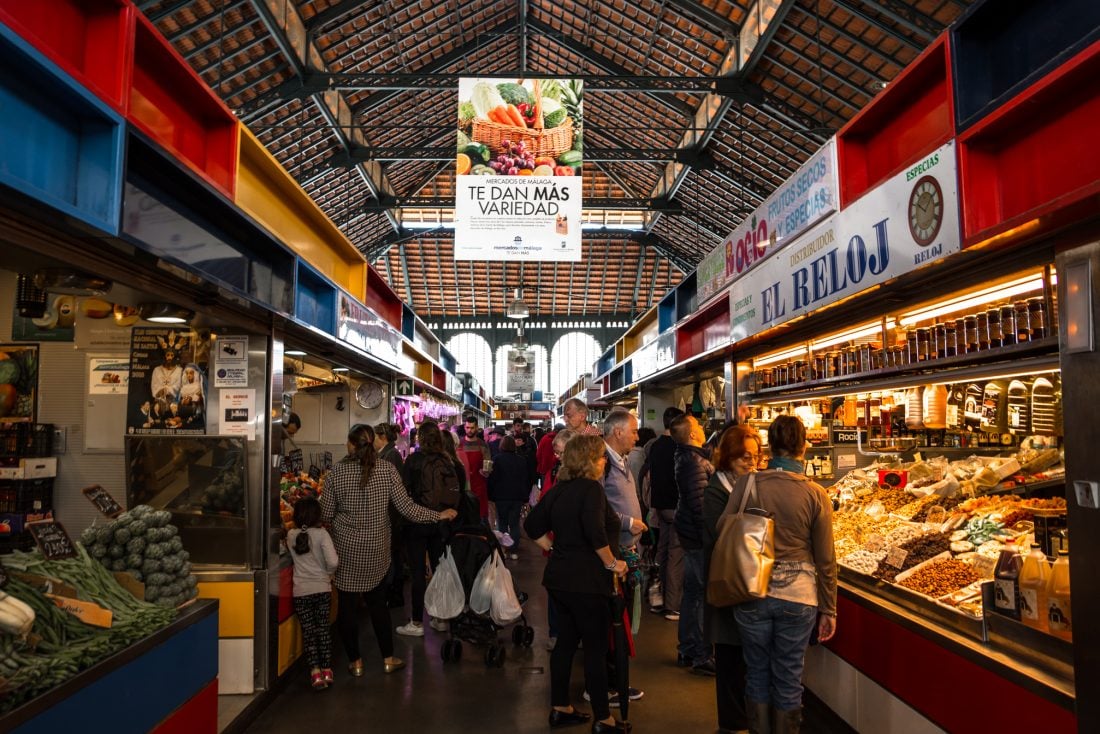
[429,695]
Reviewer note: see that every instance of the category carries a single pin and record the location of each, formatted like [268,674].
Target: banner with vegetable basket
[518,187]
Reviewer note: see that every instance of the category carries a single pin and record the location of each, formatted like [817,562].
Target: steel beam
[725,27]
[907,17]
[852,10]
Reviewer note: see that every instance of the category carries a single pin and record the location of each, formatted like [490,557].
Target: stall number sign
[102,500]
[52,540]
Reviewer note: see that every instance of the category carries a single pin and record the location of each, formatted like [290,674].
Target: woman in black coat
[579,577]
[509,487]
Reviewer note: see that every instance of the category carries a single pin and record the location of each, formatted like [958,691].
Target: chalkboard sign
[326,460]
[314,472]
[102,500]
[297,462]
[52,539]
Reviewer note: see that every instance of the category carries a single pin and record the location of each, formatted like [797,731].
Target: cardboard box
[35,468]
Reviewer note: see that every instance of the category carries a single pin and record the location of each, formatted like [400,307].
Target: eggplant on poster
[518,168]
[167,392]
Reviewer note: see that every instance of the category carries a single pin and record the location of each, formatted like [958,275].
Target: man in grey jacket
[620,433]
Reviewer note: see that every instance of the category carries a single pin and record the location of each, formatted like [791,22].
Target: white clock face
[925,211]
[369,395]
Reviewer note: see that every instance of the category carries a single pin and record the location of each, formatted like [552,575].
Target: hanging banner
[521,370]
[518,168]
[167,391]
[804,200]
[905,223]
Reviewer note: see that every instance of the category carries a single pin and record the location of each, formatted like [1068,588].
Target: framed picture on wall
[18,383]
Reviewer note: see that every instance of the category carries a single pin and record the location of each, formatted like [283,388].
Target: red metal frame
[1036,156]
[381,299]
[705,329]
[912,116]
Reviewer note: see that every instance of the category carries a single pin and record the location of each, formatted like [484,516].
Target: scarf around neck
[787,463]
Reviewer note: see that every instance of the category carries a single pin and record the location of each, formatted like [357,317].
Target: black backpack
[439,486]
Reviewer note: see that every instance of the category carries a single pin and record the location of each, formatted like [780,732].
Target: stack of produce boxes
[27,474]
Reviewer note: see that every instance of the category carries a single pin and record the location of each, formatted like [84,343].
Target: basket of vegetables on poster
[521,129]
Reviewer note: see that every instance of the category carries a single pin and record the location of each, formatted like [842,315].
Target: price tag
[896,557]
[326,460]
[52,540]
[102,500]
[86,611]
[314,472]
[984,566]
[297,462]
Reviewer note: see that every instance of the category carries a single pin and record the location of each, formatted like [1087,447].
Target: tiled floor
[429,695]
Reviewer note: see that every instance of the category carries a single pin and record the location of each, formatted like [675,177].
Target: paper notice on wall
[238,413]
[231,361]
[108,376]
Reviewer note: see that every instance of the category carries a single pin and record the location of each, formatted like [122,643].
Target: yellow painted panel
[290,642]
[424,372]
[274,199]
[236,606]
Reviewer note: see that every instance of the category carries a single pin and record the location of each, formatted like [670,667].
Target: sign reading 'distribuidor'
[905,223]
[808,196]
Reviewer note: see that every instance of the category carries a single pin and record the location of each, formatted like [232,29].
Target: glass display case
[202,481]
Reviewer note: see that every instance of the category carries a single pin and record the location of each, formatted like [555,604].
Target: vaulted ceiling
[357,99]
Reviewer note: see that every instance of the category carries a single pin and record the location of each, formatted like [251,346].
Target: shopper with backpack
[434,484]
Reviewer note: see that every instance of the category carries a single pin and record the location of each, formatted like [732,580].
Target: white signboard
[518,187]
[905,223]
[237,413]
[108,376]
[231,361]
[807,197]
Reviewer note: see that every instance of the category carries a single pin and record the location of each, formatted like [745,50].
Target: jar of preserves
[861,411]
[911,347]
[1037,317]
[924,344]
[951,339]
[897,356]
[983,330]
[993,322]
[1023,322]
[1008,324]
[865,359]
[766,379]
[781,375]
[800,372]
[970,334]
[939,341]
[817,369]
[832,364]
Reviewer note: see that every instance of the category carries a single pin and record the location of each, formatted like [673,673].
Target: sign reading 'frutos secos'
[518,168]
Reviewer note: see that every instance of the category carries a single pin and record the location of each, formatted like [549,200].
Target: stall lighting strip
[798,351]
[1005,290]
[860,332]
[294,353]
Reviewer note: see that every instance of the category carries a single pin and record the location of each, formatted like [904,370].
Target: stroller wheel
[528,636]
[517,635]
[494,657]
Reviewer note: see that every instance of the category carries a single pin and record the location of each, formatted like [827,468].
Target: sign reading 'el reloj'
[907,222]
[518,166]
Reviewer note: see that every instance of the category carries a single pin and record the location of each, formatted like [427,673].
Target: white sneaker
[439,625]
[412,629]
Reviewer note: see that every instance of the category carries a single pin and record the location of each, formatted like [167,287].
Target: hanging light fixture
[165,313]
[517,309]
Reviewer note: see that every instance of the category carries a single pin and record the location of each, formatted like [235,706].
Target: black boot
[787,722]
[758,717]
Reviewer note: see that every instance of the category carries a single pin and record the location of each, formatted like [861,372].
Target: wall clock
[925,211]
[369,395]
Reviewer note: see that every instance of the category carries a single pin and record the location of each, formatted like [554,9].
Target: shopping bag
[481,595]
[444,598]
[533,498]
[505,607]
[741,563]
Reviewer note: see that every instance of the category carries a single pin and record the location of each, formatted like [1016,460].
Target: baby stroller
[471,546]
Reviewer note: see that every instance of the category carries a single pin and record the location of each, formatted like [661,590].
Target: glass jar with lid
[983,329]
[993,321]
[911,347]
[1008,324]
[1023,322]
[970,335]
[939,341]
[832,364]
[800,372]
[924,344]
[1037,316]
[951,339]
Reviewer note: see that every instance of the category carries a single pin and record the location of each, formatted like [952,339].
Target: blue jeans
[691,609]
[774,637]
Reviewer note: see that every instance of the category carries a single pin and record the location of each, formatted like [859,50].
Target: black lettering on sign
[297,461]
[52,539]
[102,500]
[314,472]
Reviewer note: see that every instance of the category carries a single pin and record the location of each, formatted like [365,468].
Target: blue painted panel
[145,691]
[666,312]
[315,299]
[408,323]
[59,144]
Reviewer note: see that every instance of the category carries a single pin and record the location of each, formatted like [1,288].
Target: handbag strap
[750,488]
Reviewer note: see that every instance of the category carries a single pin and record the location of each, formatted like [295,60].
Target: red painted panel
[912,116]
[439,378]
[198,716]
[938,683]
[176,108]
[89,39]
[704,331]
[1034,156]
[286,594]
[382,300]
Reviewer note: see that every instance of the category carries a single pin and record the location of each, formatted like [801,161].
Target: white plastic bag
[533,498]
[505,608]
[444,598]
[481,595]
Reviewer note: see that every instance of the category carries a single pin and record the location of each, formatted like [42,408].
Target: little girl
[315,561]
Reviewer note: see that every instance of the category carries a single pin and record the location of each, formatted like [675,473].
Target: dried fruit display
[941,577]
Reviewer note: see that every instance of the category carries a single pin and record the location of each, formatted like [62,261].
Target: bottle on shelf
[1058,610]
[1034,577]
[1006,583]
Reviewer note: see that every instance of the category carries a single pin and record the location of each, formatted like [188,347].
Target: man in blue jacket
[693,470]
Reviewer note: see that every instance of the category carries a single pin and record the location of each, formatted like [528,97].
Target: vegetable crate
[25,439]
[16,542]
[26,495]
[552,142]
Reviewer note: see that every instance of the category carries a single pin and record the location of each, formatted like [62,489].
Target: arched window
[572,356]
[474,355]
[502,368]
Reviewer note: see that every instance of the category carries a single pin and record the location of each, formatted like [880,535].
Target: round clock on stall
[369,395]
[925,211]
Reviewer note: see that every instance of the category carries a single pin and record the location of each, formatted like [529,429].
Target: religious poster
[518,167]
[521,371]
[167,383]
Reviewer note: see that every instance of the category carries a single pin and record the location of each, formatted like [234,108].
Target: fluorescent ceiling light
[339,369]
[1016,287]
[294,353]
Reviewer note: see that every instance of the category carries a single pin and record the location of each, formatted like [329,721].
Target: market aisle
[430,696]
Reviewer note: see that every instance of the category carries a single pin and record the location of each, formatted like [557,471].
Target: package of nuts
[938,577]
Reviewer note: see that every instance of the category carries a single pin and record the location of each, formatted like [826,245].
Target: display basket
[537,140]
[19,440]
